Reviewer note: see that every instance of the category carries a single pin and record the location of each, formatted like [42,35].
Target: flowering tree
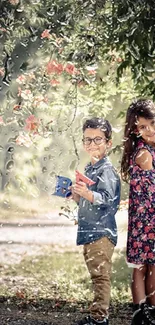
[83,32]
[58,63]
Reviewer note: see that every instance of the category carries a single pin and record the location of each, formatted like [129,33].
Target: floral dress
[141,223]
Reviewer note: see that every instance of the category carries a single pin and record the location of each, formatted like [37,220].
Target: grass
[121,277]
[55,275]
[61,276]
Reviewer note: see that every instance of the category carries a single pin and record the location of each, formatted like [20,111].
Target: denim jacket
[97,219]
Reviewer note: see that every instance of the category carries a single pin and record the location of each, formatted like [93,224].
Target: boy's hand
[81,189]
[74,196]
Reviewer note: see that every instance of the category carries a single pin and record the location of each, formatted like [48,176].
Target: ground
[13,312]
[43,282]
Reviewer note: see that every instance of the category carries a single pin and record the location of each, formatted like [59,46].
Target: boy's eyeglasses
[96,140]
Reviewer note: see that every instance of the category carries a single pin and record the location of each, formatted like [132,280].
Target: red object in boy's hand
[83,178]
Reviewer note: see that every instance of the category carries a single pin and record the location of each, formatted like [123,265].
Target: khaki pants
[98,256]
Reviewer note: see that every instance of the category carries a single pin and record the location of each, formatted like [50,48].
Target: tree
[89,32]
[131,29]
[59,62]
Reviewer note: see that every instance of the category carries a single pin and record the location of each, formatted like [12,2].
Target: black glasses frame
[97,140]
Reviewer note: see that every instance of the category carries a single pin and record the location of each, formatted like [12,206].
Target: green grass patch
[61,276]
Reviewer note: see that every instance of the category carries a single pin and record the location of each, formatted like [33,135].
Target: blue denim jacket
[97,219]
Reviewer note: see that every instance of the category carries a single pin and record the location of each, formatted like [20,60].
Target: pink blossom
[147,203]
[133,182]
[151,235]
[132,253]
[143,255]
[21,79]
[139,224]
[144,237]
[135,244]
[54,82]
[2,72]
[141,209]
[136,201]
[24,139]
[45,34]
[134,219]
[151,188]
[54,67]
[32,123]
[139,244]
[138,188]
[146,248]
[143,179]
[146,229]
[136,251]
[1,120]
[150,255]
[135,232]
[70,68]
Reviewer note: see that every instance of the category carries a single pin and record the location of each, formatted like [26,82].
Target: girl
[138,167]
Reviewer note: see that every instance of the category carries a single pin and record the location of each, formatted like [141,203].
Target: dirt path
[31,238]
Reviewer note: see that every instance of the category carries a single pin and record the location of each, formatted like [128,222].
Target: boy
[98,204]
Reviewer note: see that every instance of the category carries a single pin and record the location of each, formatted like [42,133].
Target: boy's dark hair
[99,123]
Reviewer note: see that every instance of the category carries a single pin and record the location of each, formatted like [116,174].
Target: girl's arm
[144,159]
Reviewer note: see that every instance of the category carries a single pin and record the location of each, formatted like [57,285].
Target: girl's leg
[150,284]
[138,284]
[142,279]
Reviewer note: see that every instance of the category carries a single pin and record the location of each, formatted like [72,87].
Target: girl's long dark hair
[139,108]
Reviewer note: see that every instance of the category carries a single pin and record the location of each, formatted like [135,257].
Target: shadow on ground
[13,311]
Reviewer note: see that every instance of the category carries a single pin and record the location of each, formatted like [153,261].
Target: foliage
[130,25]
[64,60]
[77,32]
[82,32]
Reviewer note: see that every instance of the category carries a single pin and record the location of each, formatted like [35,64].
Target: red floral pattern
[141,225]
